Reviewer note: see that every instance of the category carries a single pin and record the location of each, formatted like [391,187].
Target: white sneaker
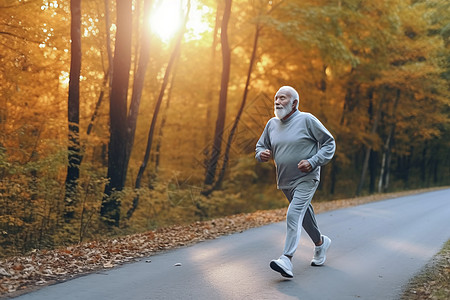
[282,265]
[320,252]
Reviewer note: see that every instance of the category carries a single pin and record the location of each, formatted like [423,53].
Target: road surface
[376,248]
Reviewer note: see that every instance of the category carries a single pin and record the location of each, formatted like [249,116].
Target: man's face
[282,104]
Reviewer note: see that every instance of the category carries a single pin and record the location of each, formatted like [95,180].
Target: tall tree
[110,210]
[383,182]
[253,56]
[138,84]
[74,156]
[369,146]
[164,120]
[226,156]
[212,80]
[172,59]
[221,113]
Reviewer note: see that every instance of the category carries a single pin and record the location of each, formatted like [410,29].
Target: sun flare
[167,19]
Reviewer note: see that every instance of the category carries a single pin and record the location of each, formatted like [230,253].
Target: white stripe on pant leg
[297,215]
[291,245]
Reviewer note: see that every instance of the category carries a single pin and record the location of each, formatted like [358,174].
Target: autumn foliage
[149,127]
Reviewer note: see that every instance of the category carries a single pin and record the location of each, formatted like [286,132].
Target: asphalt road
[376,248]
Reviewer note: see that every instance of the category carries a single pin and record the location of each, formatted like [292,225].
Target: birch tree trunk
[369,147]
[383,181]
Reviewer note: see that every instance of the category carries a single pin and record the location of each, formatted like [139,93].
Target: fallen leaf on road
[108,265]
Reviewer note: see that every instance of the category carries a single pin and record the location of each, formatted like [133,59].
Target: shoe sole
[317,265]
[279,269]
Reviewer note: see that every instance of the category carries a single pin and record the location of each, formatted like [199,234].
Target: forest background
[124,116]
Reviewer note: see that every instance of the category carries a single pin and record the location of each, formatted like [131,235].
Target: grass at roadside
[433,282]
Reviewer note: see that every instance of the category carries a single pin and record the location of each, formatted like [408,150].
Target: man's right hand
[265,155]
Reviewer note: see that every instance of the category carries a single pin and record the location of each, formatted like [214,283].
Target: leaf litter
[23,274]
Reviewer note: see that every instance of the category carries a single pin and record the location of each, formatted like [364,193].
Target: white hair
[292,92]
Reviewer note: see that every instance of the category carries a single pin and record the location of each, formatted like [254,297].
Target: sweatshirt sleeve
[327,144]
[263,143]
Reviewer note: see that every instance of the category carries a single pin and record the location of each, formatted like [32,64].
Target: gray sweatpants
[300,213]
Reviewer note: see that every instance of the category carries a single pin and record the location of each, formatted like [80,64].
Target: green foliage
[31,204]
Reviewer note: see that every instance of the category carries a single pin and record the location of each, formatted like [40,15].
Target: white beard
[280,113]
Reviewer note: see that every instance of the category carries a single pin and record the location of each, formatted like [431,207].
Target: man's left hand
[304,166]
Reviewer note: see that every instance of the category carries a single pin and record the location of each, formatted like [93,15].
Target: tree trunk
[383,182]
[435,168]
[211,85]
[73,168]
[408,167]
[221,113]
[383,171]
[372,171]
[173,56]
[369,147]
[107,73]
[350,100]
[108,38]
[138,85]
[239,114]
[424,164]
[163,121]
[99,102]
[110,210]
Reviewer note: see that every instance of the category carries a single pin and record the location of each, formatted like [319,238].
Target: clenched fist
[304,166]
[265,155]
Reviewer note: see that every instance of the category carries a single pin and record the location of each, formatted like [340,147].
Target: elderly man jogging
[299,145]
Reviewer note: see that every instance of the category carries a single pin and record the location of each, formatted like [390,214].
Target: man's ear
[294,104]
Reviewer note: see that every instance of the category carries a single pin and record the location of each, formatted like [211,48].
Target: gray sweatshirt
[299,137]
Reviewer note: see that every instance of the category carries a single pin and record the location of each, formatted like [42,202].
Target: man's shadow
[301,287]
